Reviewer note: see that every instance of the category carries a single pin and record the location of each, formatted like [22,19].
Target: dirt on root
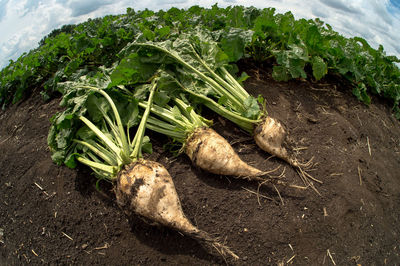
[54,215]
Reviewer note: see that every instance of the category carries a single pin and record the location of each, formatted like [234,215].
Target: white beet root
[146,188]
[211,152]
[271,137]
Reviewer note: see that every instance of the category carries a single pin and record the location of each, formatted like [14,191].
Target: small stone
[312,120]
[84,246]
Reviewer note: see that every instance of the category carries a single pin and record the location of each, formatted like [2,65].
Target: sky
[23,23]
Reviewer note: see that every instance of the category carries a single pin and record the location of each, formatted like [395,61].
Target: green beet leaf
[319,67]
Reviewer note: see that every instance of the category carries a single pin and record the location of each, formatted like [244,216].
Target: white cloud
[372,21]
[170,2]
[341,5]
[3,8]
[25,22]
[319,12]
[80,7]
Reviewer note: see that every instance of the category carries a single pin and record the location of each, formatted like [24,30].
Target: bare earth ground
[54,215]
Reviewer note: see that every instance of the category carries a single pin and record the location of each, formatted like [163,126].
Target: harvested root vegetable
[271,136]
[147,189]
[210,151]
[141,187]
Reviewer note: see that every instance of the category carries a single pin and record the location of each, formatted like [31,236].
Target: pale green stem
[192,116]
[243,122]
[164,113]
[106,168]
[112,126]
[177,135]
[230,89]
[217,87]
[102,136]
[107,152]
[234,83]
[95,150]
[137,149]
[161,123]
[125,145]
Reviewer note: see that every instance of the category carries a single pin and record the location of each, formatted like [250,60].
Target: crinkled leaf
[280,73]
[94,105]
[148,34]
[132,70]
[252,109]
[296,68]
[140,92]
[207,49]
[243,77]
[313,38]
[260,99]
[319,67]
[63,137]
[129,112]
[147,147]
[176,113]
[85,133]
[234,41]
[161,98]
[361,93]
[163,32]
[70,160]
[58,157]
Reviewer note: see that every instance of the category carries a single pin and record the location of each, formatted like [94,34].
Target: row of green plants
[296,48]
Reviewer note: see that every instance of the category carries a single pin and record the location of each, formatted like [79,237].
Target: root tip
[224,251]
[212,243]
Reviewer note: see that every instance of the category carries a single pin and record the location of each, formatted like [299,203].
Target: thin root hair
[308,179]
[211,242]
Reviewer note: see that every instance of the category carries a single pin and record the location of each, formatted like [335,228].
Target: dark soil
[54,215]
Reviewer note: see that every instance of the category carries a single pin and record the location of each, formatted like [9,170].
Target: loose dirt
[54,215]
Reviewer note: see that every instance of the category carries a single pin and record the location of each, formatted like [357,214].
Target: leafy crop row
[297,48]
